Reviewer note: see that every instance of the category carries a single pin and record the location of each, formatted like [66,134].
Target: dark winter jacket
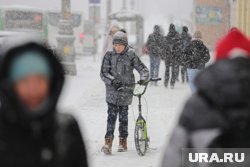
[196,55]
[155,42]
[121,67]
[45,138]
[185,40]
[172,46]
[218,116]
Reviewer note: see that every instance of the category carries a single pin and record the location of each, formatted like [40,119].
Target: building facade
[233,13]
[243,15]
[212,18]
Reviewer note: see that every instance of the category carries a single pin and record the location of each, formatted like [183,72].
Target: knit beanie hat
[233,41]
[185,29]
[172,27]
[28,63]
[197,35]
[120,38]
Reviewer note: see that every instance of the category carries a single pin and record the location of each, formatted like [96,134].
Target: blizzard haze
[84,94]
[156,11]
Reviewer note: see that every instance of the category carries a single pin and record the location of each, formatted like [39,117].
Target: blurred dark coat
[218,116]
[45,138]
[121,67]
[172,46]
[196,55]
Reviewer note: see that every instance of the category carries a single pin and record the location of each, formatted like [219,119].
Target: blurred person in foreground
[195,57]
[155,47]
[117,73]
[218,115]
[32,132]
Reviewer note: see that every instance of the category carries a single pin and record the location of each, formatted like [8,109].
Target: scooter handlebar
[145,84]
[155,79]
[150,80]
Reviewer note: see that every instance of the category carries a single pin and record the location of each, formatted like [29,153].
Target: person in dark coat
[155,47]
[172,54]
[196,55]
[32,132]
[218,115]
[186,39]
[108,42]
[117,74]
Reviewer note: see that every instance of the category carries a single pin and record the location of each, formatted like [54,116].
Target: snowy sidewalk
[84,96]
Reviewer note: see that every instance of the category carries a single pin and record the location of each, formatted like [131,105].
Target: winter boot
[107,148]
[123,145]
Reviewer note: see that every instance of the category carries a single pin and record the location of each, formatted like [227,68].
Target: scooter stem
[140,106]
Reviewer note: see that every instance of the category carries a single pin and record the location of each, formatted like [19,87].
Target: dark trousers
[113,112]
[177,73]
[174,71]
[184,75]
[155,62]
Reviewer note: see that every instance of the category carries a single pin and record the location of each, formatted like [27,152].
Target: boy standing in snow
[117,72]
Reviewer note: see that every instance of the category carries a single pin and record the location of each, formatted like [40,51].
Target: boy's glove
[116,83]
[142,82]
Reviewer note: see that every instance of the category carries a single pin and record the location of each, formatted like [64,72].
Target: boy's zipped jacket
[121,67]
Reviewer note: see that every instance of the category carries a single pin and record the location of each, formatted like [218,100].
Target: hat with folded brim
[29,63]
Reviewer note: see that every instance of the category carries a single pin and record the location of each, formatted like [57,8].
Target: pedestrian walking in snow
[217,116]
[186,39]
[155,48]
[196,55]
[117,72]
[32,132]
[108,43]
[172,54]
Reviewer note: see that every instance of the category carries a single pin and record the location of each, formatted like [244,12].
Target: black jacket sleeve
[77,150]
[140,67]
[206,55]
[105,74]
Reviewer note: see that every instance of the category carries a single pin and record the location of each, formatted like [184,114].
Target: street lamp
[65,39]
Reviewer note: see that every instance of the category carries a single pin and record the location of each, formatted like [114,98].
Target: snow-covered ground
[84,96]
